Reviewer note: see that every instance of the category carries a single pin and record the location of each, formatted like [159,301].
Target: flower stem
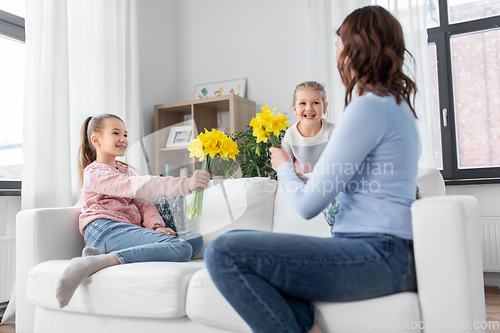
[274,140]
[196,206]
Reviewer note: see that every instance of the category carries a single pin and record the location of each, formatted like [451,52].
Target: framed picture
[235,86]
[180,136]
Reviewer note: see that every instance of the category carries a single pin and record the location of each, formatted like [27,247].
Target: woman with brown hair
[370,166]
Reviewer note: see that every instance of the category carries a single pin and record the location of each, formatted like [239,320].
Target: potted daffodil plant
[266,130]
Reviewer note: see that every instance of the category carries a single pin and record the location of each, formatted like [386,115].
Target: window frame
[441,36]
[12,27]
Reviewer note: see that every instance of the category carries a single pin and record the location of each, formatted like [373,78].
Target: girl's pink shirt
[119,195]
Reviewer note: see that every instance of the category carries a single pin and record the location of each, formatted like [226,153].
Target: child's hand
[166,231]
[278,156]
[200,178]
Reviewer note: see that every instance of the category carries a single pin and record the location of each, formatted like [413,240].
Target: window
[12,65]
[463,49]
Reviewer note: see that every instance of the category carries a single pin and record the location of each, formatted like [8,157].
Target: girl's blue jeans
[130,243]
[271,278]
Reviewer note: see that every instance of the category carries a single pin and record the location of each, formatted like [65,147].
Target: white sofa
[180,297]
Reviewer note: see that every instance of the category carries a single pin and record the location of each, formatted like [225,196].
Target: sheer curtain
[46,149]
[412,16]
[81,60]
[103,69]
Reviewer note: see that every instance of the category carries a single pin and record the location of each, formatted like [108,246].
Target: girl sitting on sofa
[371,162]
[118,226]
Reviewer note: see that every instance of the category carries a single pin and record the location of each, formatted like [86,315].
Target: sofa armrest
[447,241]
[42,235]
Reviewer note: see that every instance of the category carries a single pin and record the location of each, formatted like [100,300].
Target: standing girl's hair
[312,85]
[87,153]
[372,59]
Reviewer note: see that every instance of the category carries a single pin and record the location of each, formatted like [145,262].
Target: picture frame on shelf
[180,136]
[236,86]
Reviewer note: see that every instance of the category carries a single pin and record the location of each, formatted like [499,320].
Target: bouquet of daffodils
[267,126]
[208,146]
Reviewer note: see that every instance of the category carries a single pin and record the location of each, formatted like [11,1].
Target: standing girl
[271,278]
[118,226]
[305,140]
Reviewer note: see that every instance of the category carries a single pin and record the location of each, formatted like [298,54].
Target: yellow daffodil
[268,126]
[202,137]
[234,151]
[226,145]
[266,116]
[277,124]
[260,134]
[213,143]
[218,135]
[255,122]
[265,109]
[210,144]
[211,148]
[196,149]
[284,124]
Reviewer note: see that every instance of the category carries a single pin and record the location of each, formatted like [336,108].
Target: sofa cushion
[287,220]
[249,205]
[206,305]
[150,290]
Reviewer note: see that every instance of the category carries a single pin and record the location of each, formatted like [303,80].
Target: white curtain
[81,60]
[412,16]
[323,69]
[47,155]
[103,68]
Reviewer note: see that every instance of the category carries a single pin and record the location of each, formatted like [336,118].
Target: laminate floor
[492,298]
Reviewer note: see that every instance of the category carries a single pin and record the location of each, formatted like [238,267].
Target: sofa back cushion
[287,220]
[430,182]
[244,203]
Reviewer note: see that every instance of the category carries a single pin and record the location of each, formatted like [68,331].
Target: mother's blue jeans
[130,243]
[271,278]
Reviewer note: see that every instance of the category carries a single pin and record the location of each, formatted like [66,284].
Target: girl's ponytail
[86,153]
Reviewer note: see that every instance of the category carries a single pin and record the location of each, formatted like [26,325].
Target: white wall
[157,39]
[266,41]
[487,195]
[157,22]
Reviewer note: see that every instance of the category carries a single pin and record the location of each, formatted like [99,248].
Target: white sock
[78,269]
[90,251]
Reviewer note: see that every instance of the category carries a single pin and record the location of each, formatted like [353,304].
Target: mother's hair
[373,56]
